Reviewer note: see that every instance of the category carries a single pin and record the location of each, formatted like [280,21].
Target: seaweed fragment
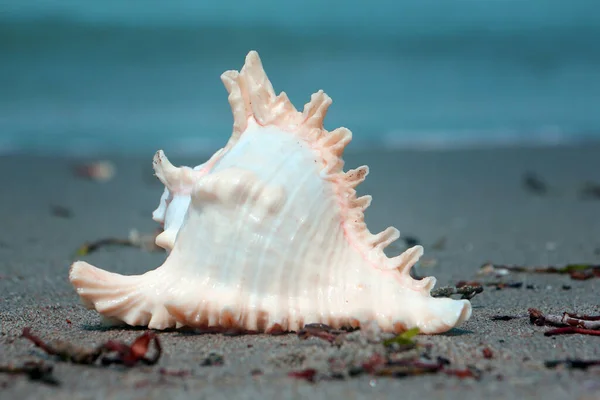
[308,374]
[35,370]
[394,359]
[61,211]
[321,331]
[136,352]
[534,184]
[567,323]
[590,190]
[90,247]
[487,353]
[418,366]
[127,355]
[569,330]
[213,359]
[572,364]
[505,285]
[181,373]
[404,340]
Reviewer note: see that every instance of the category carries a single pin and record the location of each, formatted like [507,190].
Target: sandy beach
[466,207]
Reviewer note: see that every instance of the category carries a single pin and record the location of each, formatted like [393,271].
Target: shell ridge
[253,82]
[122,297]
[176,179]
[263,194]
[284,304]
[293,277]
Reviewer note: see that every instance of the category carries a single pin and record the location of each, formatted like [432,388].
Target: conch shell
[269,235]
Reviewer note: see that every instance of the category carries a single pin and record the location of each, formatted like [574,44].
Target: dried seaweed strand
[566,319]
[572,364]
[534,184]
[567,323]
[571,330]
[37,371]
[127,355]
[412,367]
[321,331]
[90,247]
[590,190]
[64,350]
[130,355]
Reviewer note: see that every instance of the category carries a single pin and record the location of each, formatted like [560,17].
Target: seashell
[268,235]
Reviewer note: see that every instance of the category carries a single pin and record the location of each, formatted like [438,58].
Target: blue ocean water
[84,77]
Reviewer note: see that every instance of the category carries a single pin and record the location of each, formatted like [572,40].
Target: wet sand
[473,199]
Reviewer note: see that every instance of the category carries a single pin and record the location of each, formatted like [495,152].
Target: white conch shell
[268,235]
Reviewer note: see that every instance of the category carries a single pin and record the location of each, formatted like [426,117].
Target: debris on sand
[505,285]
[35,370]
[213,359]
[488,354]
[308,374]
[534,184]
[590,190]
[572,364]
[322,331]
[61,211]
[567,323]
[467,290]
[404,340]
[90,247]
[111,352]
[400,356]
[179,373]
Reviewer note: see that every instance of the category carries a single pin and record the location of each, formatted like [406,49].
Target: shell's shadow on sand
[107,328]
[457,332]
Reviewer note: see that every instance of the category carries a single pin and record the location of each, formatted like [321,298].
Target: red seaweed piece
[131,355]
[462,373]
[487,353]
[320,331]
[308,374]
[182,373]
[374,362]
[128,355]
[571,330]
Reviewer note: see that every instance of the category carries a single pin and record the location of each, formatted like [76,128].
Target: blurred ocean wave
[80,85]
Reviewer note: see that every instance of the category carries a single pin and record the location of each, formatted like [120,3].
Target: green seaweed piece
[404,339]
[577,267]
